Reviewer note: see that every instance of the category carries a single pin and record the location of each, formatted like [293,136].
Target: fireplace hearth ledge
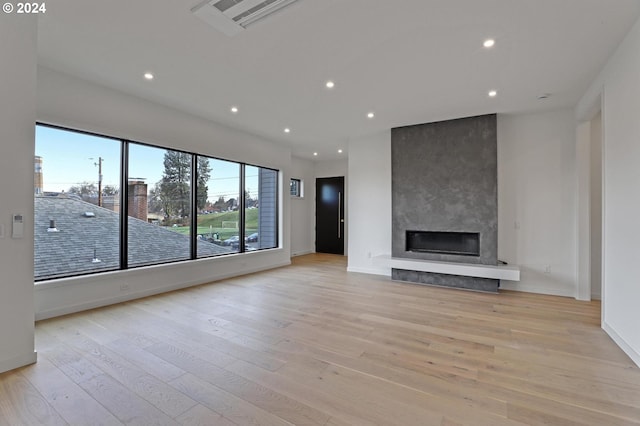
[498,272]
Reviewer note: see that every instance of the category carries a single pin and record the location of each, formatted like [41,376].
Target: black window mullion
[124,203]
[277,227]
[193,231]
[241,206]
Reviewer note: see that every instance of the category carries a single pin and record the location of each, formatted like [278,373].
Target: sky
[70,158]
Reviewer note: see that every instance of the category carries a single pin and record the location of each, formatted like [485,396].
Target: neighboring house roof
[71,249]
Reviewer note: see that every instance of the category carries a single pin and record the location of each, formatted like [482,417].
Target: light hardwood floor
[311,344]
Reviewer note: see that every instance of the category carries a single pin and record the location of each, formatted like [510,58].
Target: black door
[330,215]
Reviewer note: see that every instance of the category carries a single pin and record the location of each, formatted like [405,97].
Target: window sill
[142,270]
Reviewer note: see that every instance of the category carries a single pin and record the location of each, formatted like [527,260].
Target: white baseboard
[301,253]
[635,356]
[18,361]
[371,271]
[97,303]
[528,288]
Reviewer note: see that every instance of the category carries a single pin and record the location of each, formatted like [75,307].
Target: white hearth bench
[498,272]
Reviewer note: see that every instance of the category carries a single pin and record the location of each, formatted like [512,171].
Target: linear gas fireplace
[460,243]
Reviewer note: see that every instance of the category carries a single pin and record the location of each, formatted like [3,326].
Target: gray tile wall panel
[445,280]
[444,178]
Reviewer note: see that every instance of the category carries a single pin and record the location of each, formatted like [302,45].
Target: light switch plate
[17,225]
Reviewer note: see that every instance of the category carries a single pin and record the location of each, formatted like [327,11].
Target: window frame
[299,193]
[122,195]
[276,206]
[125,202]
[193,232]
[239,167]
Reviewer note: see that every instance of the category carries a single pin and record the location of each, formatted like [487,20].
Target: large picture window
[77,203]
[218,209]
[159,205]
[163,206]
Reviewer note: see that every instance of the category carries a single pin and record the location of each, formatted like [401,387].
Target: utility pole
[99,164]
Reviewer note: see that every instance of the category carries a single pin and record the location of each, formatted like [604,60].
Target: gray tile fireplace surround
[444,179]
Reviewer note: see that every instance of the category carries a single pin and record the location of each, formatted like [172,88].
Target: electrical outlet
[516,225]
[369,255]
[1,230]
[124,286]
[547,269]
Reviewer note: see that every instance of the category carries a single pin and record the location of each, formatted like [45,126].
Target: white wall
[583,210]
[333,168]
[71,102]
[536,189]
[302,209]
[619,85]
[370,201]
[596,206]
[17,116]
[536,200]
[75,103]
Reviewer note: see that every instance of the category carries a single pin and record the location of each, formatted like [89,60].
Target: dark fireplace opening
[460,243]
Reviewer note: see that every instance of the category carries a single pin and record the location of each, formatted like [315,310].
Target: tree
[84,190]
[154,201]
[231,203]
[221,204]
[248,201]
[204,172]
[109,190]
[175,185]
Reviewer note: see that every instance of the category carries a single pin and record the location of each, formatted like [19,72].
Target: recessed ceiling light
[287,130]
[493,93]
[339,151]
[330,84]
[315,154]
[371,115]
[489,43]
[234,109]
[148,76]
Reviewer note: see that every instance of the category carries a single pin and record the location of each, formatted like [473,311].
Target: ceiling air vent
[233,16]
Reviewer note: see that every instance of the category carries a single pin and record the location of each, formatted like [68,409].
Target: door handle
[339,205]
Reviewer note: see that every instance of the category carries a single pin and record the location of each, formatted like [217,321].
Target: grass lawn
[213,223]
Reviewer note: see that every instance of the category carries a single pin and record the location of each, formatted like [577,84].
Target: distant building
[111,202]
[138,199]
[38,186]
[155,218]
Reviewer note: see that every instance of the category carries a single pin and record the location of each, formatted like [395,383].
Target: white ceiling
[410,61]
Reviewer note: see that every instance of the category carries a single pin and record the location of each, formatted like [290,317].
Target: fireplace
[444,192]
[458,243]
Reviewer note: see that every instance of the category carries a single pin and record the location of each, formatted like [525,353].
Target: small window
[295,188]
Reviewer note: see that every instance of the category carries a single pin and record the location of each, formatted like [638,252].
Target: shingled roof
[80,237]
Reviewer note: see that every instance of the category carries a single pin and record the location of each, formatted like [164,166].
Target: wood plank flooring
[311,344]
